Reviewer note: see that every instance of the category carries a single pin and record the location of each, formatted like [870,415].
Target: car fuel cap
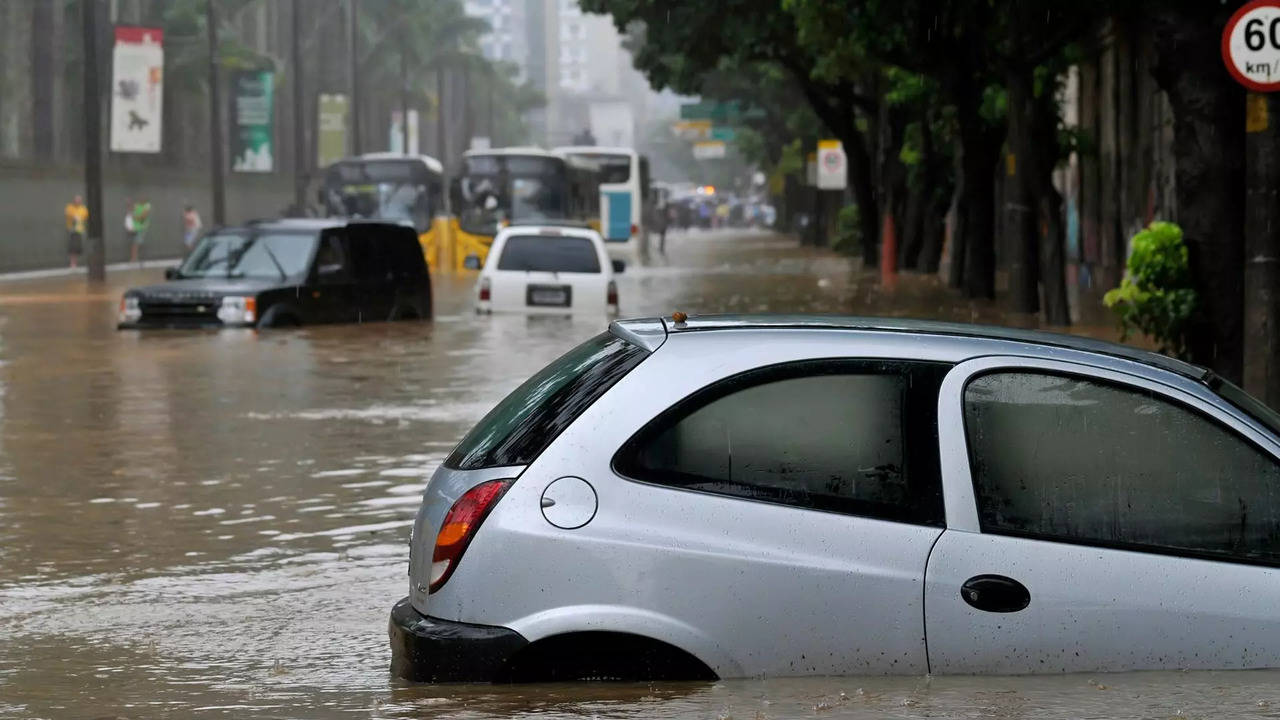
[569,502]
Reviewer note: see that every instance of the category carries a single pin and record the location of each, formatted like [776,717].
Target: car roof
[550,229]
[648,333]
[311,224]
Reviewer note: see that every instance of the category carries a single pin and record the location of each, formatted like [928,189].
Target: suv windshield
[543,253]
[526,421]
[279,255]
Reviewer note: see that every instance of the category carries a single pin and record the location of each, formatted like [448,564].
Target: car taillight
[484,289]
[460,526]
[613,293]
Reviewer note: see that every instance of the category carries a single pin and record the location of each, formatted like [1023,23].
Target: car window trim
[957,478]
[1131,383]
[791,369]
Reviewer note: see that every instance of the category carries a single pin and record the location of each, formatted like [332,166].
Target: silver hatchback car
[743,496]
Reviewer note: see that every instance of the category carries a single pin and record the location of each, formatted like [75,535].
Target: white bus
[625,196]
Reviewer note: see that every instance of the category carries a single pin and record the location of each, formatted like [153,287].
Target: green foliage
[1156,297]
[848,230]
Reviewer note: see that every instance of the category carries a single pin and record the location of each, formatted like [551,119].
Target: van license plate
[549,295]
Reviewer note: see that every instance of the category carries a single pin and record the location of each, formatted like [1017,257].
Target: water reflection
[214,524]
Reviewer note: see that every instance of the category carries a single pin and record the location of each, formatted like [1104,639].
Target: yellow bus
[496,187]
[391,186]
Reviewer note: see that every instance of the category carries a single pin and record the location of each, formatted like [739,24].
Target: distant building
[508,37]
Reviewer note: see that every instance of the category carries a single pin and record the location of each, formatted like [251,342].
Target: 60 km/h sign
[1251,45]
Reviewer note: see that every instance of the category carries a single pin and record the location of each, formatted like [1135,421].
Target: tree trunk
[975,193]
[1208,144]
[1048,208]
[861,177]
[1021,233]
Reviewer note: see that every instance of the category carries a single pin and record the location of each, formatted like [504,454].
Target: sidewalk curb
[67,271]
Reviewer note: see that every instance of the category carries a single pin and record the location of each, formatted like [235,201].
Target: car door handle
[995,593]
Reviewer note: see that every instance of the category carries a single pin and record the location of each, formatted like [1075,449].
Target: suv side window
[1066,458]
[850,436]
[332,263]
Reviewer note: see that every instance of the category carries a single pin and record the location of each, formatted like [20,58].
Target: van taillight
[484,289]
[634,228]
[460,526]
[612,298]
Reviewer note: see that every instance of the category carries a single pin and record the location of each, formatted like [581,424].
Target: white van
[547,269]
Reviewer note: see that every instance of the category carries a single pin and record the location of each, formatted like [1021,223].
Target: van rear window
[549,253]
[526,421]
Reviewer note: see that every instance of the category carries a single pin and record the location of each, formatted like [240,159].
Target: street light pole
[404,99]
[215,118]
[97,270]
[299,126]
[353,28]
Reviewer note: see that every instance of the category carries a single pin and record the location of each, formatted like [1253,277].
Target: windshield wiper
[274,261]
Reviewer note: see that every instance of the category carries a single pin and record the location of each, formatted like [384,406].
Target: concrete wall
[32,230]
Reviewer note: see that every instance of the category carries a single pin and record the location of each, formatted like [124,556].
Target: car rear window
[549,253]
[520,427]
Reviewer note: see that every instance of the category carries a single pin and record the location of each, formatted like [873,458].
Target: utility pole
[299,124]
[1262,248]
[215,118]
[353,27]
[93,144]
[404,99]
[440,117]
[493,133]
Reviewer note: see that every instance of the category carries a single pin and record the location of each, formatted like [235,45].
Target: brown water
[201,524]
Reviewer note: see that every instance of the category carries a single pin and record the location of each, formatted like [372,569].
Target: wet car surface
[213,524]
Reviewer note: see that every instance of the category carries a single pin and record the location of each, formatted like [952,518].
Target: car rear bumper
[427,649]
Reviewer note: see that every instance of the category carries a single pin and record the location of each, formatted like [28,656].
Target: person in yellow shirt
[77,223]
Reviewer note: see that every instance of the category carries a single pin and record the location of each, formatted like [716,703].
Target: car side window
[332,264]
[1081,460]
[856,437]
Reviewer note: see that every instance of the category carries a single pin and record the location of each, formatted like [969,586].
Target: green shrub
[848,230]
[1156,297]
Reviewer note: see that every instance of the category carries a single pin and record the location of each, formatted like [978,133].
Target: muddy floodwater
[202,524]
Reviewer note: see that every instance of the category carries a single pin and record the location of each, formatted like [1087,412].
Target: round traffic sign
[1251,45]
[831,161]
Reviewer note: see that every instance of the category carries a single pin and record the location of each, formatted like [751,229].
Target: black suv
[289,272]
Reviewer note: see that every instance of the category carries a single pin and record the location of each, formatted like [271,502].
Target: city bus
[496,187]
[626,203]
[392,186]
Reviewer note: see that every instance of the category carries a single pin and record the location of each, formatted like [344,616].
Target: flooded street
[201,524]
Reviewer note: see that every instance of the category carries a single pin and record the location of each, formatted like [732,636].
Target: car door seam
[924,603]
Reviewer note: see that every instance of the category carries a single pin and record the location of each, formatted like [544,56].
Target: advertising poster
[331,145]
[253,93]
[137,90]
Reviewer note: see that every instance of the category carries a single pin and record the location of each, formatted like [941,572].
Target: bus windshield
[397,190]
[614,169]
[492,189]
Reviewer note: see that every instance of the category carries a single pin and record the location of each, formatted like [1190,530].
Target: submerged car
[547,269]
[286,273]
[747,496]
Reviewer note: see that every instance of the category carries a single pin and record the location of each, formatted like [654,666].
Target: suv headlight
[238,310]
[130,312]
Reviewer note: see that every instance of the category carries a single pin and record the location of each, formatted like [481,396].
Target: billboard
[331,143]
[253,93]
[137,89]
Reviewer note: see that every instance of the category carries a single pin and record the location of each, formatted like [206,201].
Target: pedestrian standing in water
[130,232]
[190,226]
[141,222]
[77,217]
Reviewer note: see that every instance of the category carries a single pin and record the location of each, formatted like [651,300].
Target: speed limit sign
[1251,45]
